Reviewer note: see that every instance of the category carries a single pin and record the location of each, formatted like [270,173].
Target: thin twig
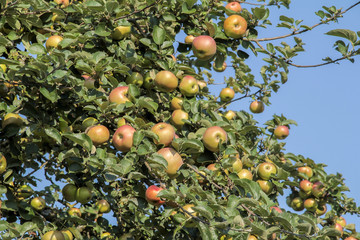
[237,99]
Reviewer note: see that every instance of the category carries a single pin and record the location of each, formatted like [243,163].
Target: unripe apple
[202,84]
[266,186]
[204,47]
[229,115]
[98,134]
[213,136]
[74,212]
[123,138]
[234,6]
[235,26]
[306,170]
[103,206]
[166,81]
[281,132]
[118,95]
[310,204]
[89,82]
[266,170]
[220,69]
[53,235]
[69,192]
[340,220]
[53,42]
[297,204]
[257,107]
[121,122]
[245,174]
[178,116]
[318,189]
[148,81]
[3,68]
[165,131]
[176,103]
[189,39]
[135,78]
[151,195]
[306,185]
[12,118]
[227,94]
[189,86]
[38,203]
[237,165]
[3,163]
[64,3]
[173,159]
[83,195]
[121,32]
[321,210]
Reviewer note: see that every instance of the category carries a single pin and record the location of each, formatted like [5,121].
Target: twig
[8,6]
[138,11]
[237,99]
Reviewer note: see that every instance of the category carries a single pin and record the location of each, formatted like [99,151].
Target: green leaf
[53,133]
[286,19]
[80,138]
[37,49]
[191,146]
[50,93]
[158,35]
[344,33]
[204,211]
[138,137]
[158,159]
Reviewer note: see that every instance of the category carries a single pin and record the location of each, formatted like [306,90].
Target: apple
[165,131]
[227,94]
[213,136]
[321,210]
[69,192]
[204,47]
[105,235]
[173,159]
[189,39]
[202,84]
[24,191]
[220,69]
[252,237]
[318,189]
[3,68]
[151,195]
[237,165]
[306,185]
[351,238]
[121,32]
[135,78]
[3,163]
[67,234]
[235,26]
[310,204]
[12,119]
[166,81]
[83,195]
[123,138]
[276,209]
[53,235]
[53,42]
[121,122]
[74,212]
[178,116]
[297,204]
[118,95]
[234,6]
[257,107]
[340,220]
[245,174]
[266,170]
[64,3]
[38,203]
[266,186]
[103,206]
[98,134]
[339,228]
[213,168]
[281,132]
[189,86]
[89,82]
[176,103]
[229,115]
[306,170]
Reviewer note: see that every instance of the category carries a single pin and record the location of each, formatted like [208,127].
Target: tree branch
[138,11]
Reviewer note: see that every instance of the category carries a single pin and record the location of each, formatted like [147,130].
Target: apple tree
[109,129]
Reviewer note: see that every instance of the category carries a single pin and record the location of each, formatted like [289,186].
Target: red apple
[98,134]
[165,131]
[351,238]
[266,170]
[213,136]
[123,138]
[227,94]
[235,26]
[310,204]
[306,186]
[204,47]
[202,84]
[306,170]
[189,86]
[151,195]
[166,81]
[257,107]
[234,6]
[53,42]
[173,159]
[339,228]
[178,116]
[118,95]
[245,174]
[281,132]
[266,186]
[276,209]
[340,220]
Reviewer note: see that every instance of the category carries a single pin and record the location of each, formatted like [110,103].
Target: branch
[138,11]
[256,4]
[237,99]
[8,6]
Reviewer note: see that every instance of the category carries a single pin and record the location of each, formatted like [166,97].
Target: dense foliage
[60,122]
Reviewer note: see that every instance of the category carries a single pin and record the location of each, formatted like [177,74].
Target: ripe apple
[235,26]
[135,78]
[67,234]
[189,39]
[173,159]
[234,6]
[252,237]
[306,170]
[220,69]
[64,3]
[257,107]
[281,132]
[165,131]
[3,68]
[53,235]
[351,238]
[189,86]
[83,195]
[318,189]
[266,186]
[227,94]
[202,84]
[297,204]
[276,209]
[178,116]
[123,138]
[176,103]
[266,170]
[12,118]
[204,47]
[121,32]
[69,192]
[53,42]
[340,220]
[229,115]
[166,81]
[245,174]
[339,228]
[213,136]
[38,203]
[103,206]
[3,163]
[151,195]
[310,204]
[74,212]
[118,95]
[306,186]
[321,210]
[98,134]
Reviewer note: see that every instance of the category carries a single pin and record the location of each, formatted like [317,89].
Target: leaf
[50,94]
[53,133]
[192,146]
[80,138]
[37,49]
[138,137]
[344,33]
[286,19]
[158,159]
[158,35]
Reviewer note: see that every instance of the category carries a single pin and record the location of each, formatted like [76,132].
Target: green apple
[213,136]
[189,86]
[297,204]
[266,186]
[53,235]
[12,119]
[166,81]
[135,78]
[230,115]
[178,116]
[220,69]
[38,203]
[227,94]
[69,192]
[53,42]
[176,103]
[245,174]
[103,206]
[3,163]
[83,195]
[121,32]
[266,170]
